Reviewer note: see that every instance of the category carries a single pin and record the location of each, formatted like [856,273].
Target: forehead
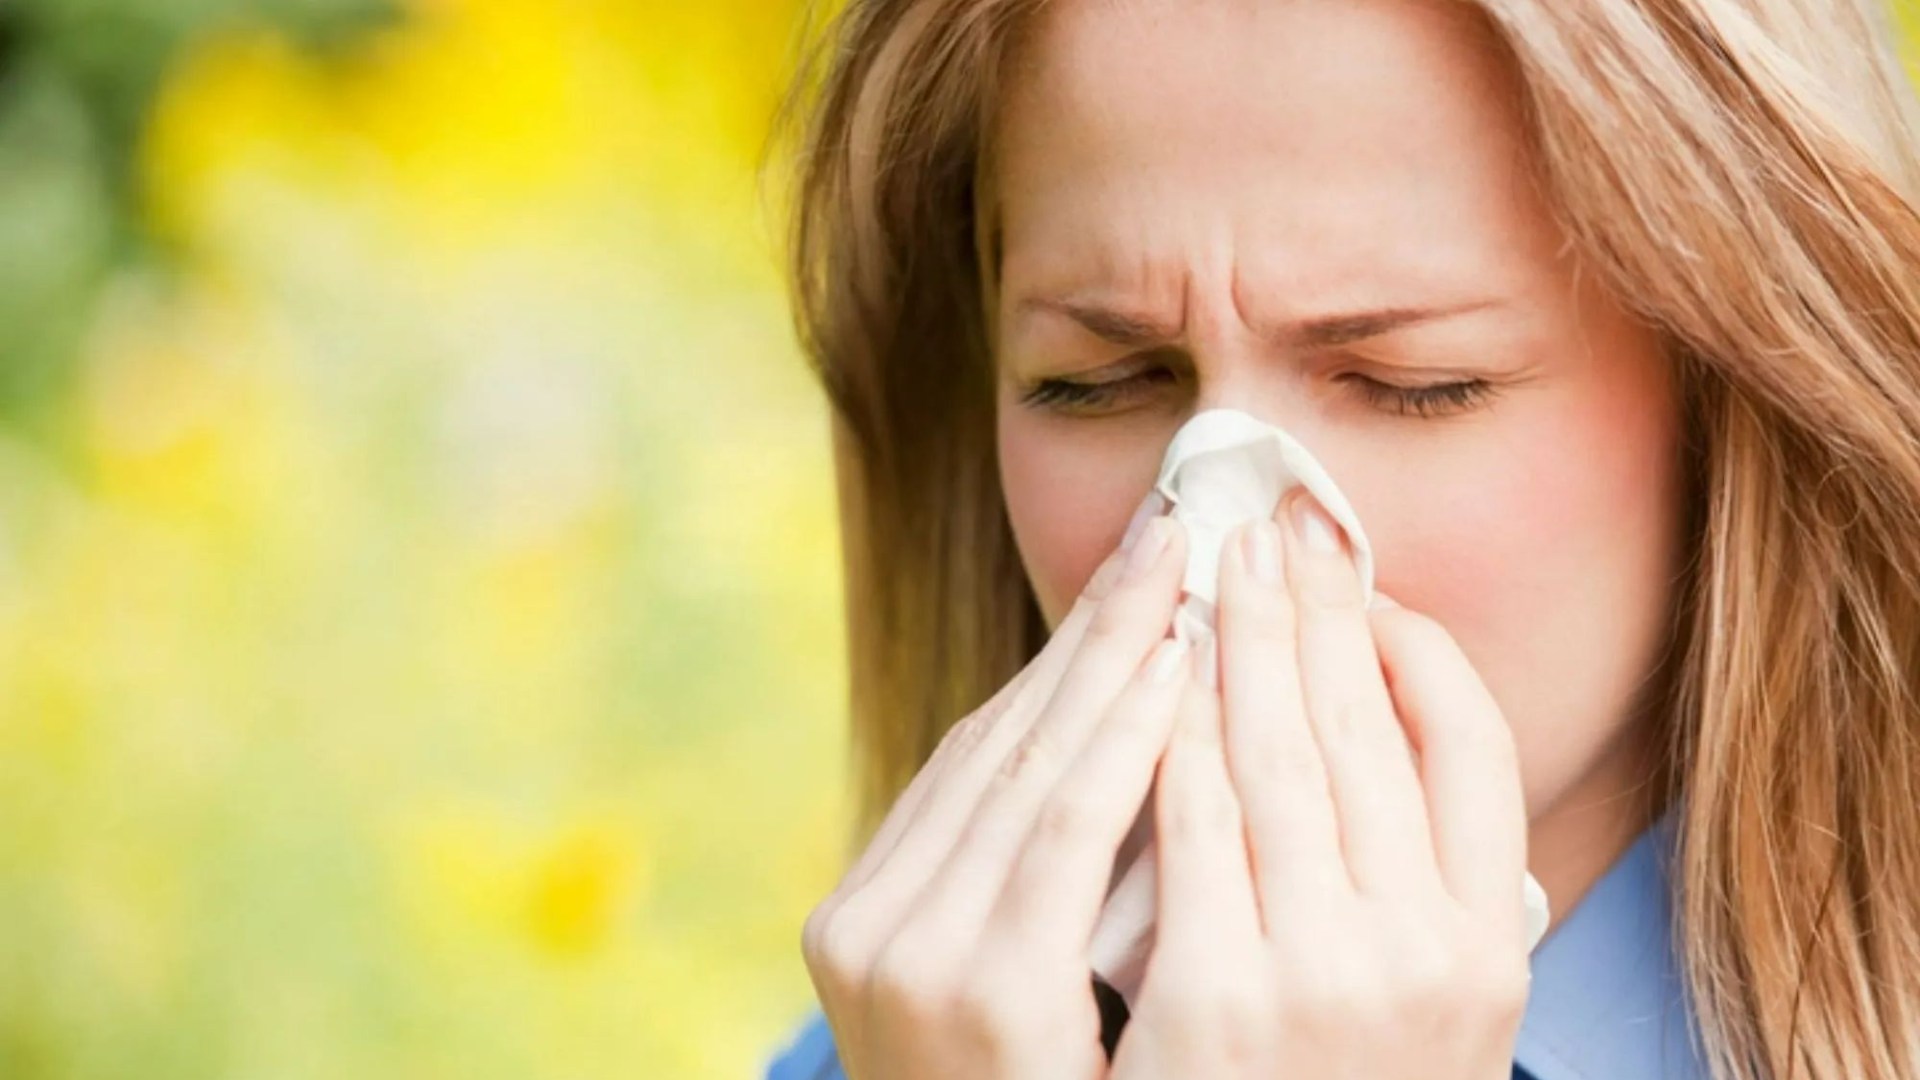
[1305,141]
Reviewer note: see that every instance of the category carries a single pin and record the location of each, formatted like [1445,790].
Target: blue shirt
[1606,999]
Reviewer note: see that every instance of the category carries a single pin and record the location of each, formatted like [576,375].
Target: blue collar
[1607,999]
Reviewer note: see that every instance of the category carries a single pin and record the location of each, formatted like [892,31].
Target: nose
[1270,384]
[1235,368]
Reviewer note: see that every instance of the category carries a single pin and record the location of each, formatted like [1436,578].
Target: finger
[1138,839]
[1468,763]
[1122,631]
[1060,880]
[1376,791]
[984,737]
[1293,831]
[1206,887]
[1125,628]
[1123,935]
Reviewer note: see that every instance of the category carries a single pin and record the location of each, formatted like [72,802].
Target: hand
[1329,906]
[956,945]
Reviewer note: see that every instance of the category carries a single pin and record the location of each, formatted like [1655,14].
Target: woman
[1604,313]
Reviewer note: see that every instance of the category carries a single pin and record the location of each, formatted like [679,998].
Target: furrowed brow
[1323,331]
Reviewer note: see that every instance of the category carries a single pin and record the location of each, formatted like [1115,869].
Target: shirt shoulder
[1607,998]
[809,1053]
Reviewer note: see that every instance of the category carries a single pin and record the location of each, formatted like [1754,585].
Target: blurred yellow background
[420,646]
[419,622]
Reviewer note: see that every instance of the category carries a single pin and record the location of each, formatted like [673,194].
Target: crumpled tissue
[1224,467]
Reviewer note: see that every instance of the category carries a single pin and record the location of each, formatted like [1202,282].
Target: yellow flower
[577,883]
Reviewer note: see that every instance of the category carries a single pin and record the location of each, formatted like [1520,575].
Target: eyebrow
[1323,331]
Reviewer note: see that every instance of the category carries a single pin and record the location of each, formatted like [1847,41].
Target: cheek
[1070,490]
[1550,557]
[1489,535]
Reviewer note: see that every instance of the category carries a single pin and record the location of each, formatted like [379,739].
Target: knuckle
[1428,977]
[1434,977]
[1033,755]
[1001,823]
[1489,983]
[1478,727]
[1345,720]
[1068,817]
[812,933]
[973,727]
[1245,597]
[967,732]
[977,732]
[1243,1009]
[1110,619]
[910,978]
[1503,987]
[1290,824]
[1104,578]
[1358,732]
[989,1003]
[980,1012]
[1225,1003]
[1286,765]
[1262,625]
[1319,992]
[1328,1008]
[1135,720]
[1425,634]
[1323,592]
[836,947]
[1413,629]
[1340,989]
[1202,811]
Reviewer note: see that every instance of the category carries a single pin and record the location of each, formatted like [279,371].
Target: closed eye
[1071,397]
[1432,400]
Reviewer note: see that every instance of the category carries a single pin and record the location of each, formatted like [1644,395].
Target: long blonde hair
[1744,174]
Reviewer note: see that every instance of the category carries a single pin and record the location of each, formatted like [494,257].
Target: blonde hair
[1744,174]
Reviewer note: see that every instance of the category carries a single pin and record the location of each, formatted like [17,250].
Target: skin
[1230,170]
[1327,906]
[1324,910]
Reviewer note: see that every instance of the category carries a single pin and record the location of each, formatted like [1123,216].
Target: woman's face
[1319,212]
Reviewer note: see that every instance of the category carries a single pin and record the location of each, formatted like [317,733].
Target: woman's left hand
[1332,905]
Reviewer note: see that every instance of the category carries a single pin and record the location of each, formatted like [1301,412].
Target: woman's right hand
[956,945]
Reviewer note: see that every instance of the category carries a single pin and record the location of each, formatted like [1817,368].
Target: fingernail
[1313,526]
[1261,547]
[1149,509]
[1147,550]
[1166,661]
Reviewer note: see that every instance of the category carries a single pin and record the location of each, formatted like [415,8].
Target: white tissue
[1222,468]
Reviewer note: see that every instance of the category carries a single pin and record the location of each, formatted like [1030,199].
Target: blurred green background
[420,647]
[419,632]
